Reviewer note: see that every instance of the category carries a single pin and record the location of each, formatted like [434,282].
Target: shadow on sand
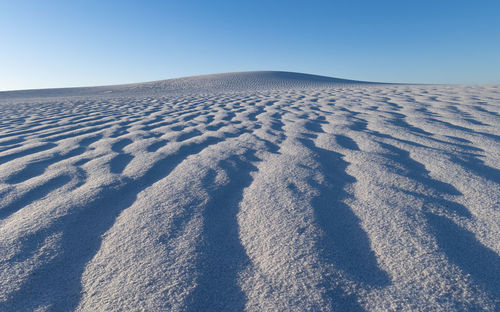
[222,256]
[345,244]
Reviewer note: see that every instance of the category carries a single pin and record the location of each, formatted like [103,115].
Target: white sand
[257,191]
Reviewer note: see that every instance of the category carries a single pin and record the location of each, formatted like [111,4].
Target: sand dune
[204,84]
[256,191]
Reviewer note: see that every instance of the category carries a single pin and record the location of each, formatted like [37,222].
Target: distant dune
[240,81]
[253,191]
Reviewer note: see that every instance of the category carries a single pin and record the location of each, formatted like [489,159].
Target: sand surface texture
[256,191]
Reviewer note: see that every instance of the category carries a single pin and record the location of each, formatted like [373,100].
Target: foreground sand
[258,196]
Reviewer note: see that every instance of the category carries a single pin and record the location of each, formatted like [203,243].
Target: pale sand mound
[257,191]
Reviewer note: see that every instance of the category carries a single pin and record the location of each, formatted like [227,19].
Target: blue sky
[83,43]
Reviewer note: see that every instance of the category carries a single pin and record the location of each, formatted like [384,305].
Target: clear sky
[82,43]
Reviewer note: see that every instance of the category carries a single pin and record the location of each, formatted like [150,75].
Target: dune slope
[256,191]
